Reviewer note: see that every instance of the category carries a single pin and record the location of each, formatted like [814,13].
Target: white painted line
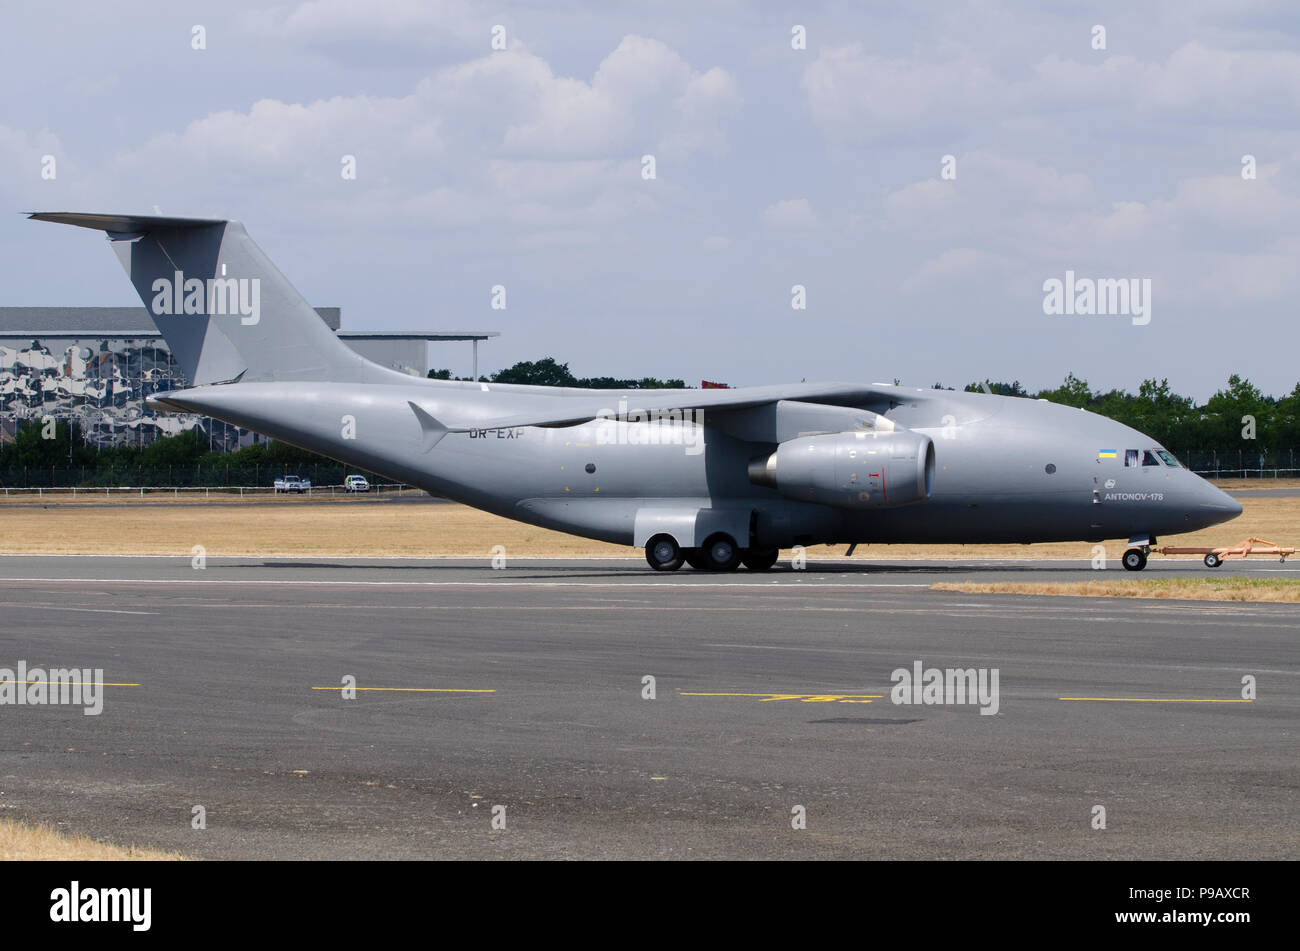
[53,607]
[179,556]
[460,584]
[880,558]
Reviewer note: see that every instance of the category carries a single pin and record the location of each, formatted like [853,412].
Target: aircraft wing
[622,404]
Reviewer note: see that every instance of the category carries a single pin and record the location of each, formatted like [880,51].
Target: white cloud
[793,215]
[1008,203]
[963,266]
[642,97]
[857,96]
[854,95]
[500,138]
[22,160]
[1215,240]
[1194,82]
[362,31]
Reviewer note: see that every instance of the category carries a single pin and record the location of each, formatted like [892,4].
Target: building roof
[98,321]
[76,322]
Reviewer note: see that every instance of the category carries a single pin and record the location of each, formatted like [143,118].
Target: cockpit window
[1149,458]
[1168,457]
[1130,458]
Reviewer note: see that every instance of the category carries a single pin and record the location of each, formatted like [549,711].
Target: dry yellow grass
[21,841]
[285,527]
[1182,589]
[364,528]
[1232,485]
[96,497]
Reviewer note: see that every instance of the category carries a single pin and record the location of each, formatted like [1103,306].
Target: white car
[292,484]
[356,483]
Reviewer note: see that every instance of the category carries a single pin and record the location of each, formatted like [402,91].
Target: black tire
[1135,559]
[1213,561]
[720,552]
[695,558]
[663,553]
[760,559]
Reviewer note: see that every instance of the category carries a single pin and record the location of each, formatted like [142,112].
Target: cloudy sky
[774,166]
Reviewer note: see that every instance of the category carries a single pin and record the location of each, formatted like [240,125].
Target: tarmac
[771,706]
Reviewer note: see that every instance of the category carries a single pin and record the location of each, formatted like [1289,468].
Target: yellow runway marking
[1151,700]
[411,689]
[803,697]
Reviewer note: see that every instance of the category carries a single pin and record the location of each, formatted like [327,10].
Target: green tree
[182,449]
[1286,420]
[998,389]
[1073,392]
[30,449]
[1227,409]
[544,372]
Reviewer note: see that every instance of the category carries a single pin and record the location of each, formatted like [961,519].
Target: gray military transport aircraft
[713,478]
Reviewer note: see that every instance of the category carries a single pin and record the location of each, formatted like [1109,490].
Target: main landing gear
[663,553]
[718,553]
[760,559]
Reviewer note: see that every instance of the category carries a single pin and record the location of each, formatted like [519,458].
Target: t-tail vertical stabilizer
[226,311]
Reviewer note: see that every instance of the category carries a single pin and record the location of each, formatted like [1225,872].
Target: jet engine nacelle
[850,470]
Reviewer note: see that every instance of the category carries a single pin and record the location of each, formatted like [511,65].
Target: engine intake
[850,470]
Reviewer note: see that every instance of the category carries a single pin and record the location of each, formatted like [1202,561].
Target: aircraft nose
[1215,505]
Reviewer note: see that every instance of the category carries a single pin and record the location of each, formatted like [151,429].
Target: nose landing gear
[1135,559]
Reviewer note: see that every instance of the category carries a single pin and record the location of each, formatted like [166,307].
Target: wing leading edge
[646,404]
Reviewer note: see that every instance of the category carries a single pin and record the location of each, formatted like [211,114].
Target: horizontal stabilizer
[122,224]
[432,429]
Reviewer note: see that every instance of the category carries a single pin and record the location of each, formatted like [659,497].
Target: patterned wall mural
[102,385]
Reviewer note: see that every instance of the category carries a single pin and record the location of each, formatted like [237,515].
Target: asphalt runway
[523,688]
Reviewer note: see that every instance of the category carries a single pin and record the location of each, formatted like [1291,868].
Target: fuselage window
[1168,457]
[1130,458]
[1149,458]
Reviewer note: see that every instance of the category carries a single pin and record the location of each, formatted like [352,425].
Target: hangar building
[96,366]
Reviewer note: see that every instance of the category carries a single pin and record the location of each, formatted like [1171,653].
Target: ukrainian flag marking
[1107,454]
